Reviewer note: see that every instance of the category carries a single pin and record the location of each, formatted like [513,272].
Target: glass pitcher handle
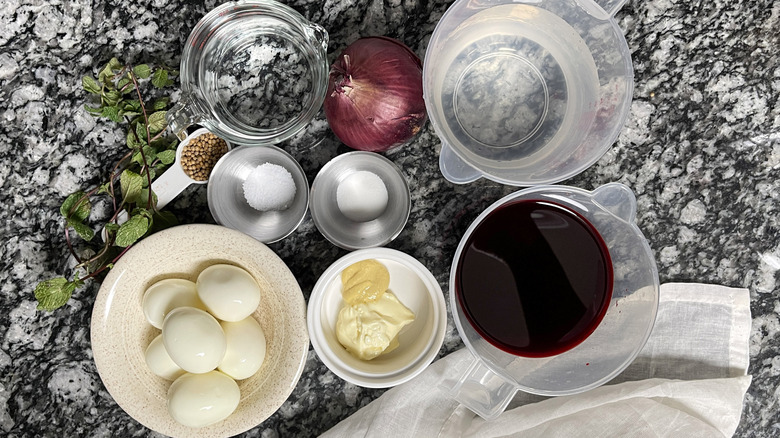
[181,116]
[319,34]
[483,391]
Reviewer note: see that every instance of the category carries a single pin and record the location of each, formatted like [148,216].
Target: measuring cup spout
[617,199]
[454,169]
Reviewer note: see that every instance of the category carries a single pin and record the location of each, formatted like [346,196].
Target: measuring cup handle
[181,116]
[617,199]
[168,185]
[320,35]
[454,169]
[483,391]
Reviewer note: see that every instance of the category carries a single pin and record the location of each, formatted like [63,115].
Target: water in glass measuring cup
[260,73]
[520,84]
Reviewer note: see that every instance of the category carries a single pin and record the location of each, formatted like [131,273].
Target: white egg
[229,292]
[166,295]
[197,400]
[159,361]
[362,196]
[193,339]
[245,348]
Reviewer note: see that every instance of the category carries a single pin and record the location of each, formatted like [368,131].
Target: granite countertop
[701,150]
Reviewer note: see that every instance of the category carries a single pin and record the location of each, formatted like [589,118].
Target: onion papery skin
[375,100]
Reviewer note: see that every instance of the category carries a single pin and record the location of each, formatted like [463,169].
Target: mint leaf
[160,78]
[82,229]
[160,104]
[142,71]
[149,154]
[132,230]
[167,156]
[132,105]
[111,112]
[76,207]
[122,82]
[104,188]
[90,85]
[93,111]
[54,293]
[157,122]
[140,130]
[114,64]
[133,142]
[105,76]
[112,97]
[132,184]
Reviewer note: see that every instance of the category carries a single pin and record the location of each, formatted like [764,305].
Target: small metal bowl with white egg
[411,350]
[360,200]
[260,191]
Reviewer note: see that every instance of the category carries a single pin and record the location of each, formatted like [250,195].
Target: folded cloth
[689,380]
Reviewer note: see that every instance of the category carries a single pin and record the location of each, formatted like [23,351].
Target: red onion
[375,96]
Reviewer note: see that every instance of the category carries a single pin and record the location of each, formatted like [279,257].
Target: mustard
[364,281]
[369,323]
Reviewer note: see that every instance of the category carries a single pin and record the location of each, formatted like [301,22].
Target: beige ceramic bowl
[420,341]
[120,332]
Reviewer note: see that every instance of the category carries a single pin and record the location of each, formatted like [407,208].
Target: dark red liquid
[534,278]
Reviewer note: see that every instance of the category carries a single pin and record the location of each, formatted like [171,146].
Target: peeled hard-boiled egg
[159,361]
[245,348]
[166,295]
[197,400]
[229,292]
[193,339]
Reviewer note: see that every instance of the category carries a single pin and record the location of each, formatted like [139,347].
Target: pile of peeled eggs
[209,340]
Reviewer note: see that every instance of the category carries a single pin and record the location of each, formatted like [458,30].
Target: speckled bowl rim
[402,373]
[120,333]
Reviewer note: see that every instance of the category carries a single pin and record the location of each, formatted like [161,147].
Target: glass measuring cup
[253,72]
[526,92]
[495,375]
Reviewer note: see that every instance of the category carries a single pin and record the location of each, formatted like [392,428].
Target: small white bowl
[420,341]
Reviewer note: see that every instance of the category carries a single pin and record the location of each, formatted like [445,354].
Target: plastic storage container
[526,92]
[495,375]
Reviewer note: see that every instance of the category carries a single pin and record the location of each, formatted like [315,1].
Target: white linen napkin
[689,380]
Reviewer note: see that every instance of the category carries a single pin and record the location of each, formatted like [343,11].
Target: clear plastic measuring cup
[526,92]
[253,72]
[496,375]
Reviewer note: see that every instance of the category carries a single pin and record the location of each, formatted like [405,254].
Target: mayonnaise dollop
[372,317]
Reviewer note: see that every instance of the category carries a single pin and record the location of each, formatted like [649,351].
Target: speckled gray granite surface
[701,150]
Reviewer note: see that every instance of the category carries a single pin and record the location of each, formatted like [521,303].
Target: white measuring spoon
[174,180]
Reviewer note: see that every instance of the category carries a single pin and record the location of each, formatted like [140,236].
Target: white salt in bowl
[420,341]
[229,206]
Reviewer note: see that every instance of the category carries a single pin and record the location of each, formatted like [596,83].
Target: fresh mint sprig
[117,96]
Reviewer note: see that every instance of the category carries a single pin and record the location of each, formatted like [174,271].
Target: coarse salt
[269,187]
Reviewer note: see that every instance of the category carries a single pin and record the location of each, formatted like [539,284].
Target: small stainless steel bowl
[229,207]
[350,234]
